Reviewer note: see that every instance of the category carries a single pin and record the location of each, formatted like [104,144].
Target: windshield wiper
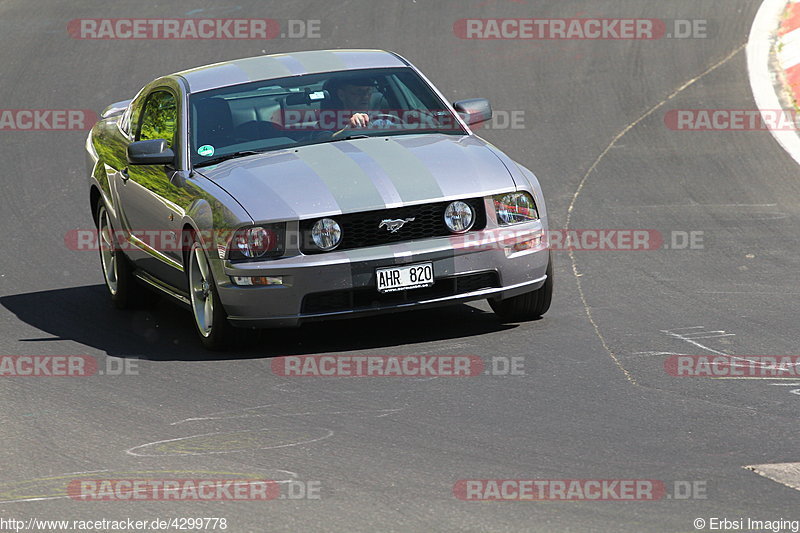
[333,140]
[221,158]
[346,138]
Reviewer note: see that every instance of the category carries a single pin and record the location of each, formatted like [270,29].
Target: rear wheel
[210,318]
[529,305]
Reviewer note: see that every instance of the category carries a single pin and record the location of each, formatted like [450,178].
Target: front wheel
[209,316]
[117,269]
[529,305]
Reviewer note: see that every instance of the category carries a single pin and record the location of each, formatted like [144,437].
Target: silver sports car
[280,189]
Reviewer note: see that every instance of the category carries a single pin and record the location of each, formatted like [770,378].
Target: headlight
[459,217]
[256,243]
[515,208]
[326,234]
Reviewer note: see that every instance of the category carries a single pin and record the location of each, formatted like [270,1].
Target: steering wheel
[391,116]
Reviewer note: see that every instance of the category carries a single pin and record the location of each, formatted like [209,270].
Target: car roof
[282,65]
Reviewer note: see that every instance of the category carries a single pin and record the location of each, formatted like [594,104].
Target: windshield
[301,110]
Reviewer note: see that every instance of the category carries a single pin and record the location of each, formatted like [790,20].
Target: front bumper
[493,263]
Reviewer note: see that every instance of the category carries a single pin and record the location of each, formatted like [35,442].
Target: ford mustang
[281,189]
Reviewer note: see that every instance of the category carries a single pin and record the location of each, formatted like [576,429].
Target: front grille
[369,297]
[360,230]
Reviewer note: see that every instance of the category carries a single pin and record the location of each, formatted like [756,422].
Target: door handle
[124,174]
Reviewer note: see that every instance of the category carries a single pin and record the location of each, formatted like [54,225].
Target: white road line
[131,451]
[383,412]
[690,340]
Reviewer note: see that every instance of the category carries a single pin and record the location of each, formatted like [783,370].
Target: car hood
[362,174]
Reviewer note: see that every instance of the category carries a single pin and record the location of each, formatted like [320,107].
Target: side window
[159,118]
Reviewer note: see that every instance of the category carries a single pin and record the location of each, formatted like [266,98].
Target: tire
[210,318]
[125,292]
[527,306]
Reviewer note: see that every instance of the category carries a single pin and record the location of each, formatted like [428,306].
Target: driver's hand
[359,120]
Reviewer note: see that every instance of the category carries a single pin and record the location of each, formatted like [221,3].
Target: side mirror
[150,152]
[474,111]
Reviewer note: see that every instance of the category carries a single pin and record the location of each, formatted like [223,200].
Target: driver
[356,94]
[353,96]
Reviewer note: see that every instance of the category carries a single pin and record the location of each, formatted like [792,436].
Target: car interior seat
[214,123]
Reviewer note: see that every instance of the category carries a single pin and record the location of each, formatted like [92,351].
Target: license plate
[402,278]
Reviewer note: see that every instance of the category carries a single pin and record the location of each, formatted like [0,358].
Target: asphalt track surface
[595,401]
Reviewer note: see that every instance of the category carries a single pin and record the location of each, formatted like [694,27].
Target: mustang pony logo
[394,224]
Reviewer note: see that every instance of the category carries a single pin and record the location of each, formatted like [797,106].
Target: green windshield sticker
[206,150]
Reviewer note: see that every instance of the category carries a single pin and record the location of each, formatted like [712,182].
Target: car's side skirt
[169,290]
